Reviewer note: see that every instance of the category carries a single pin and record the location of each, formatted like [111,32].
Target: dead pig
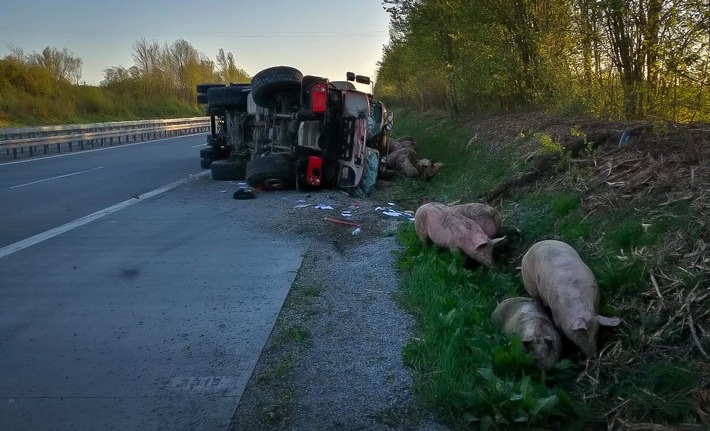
[526,318]
[486,216]
[554,272]
[448,229]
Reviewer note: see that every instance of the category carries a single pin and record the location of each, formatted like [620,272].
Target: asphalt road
[147,316]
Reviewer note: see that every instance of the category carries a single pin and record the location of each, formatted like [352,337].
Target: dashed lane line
[28,242]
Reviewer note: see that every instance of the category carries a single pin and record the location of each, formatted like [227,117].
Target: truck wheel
[271,172]
[214,153]
[279,79]
[206,163]
[234,97]
[202,92]
[202,88]
[229,170]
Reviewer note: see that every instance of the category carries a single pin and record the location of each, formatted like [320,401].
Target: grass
[476,377]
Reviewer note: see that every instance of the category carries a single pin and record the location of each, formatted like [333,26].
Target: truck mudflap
[352,158]
[356,110]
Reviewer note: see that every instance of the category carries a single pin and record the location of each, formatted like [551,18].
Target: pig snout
[481,253]
[545,350]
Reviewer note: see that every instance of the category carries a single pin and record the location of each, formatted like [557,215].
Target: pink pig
[486,216]
[554,273]
[448,229]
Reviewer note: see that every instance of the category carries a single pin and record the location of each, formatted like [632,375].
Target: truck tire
[202,92]
[278,79]
[234,97]
[202,88]
[213,153]
[229,170]
[275,172]
[206,163]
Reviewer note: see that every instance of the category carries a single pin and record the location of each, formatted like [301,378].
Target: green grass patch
[476,377]
[464,161]
[466,369]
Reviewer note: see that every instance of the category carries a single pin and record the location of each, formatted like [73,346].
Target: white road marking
[56,178]
[74,153]
[28,242]
[201,145]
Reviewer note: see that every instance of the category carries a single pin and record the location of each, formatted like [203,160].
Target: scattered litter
[356,204]
[323,207]
[303,205]
[625,137]
[346,214]
[244,192]
[301,201]
[356,231]
[343,222]
[391,213]
[224,191]
[381,209]
[391,204]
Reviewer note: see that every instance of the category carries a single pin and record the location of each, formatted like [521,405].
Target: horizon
[259,37]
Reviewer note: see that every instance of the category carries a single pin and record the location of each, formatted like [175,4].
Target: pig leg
[530,278]
[420,228]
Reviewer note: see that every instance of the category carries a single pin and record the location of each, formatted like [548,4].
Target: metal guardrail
[101,134]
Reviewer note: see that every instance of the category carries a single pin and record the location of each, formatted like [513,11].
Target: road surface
[126,298]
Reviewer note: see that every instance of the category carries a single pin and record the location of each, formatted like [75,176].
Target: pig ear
[579,324]
[608,321]
[495,241]
[482,245]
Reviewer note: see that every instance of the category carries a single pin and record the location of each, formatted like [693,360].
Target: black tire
[214,153]
[271,172]
[279,79]
[229,170]
[232,98]
[206,163]
[202,88]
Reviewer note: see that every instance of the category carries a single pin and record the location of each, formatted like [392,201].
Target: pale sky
[319,37]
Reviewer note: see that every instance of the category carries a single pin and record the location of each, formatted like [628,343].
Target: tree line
[44,87]
[631,59]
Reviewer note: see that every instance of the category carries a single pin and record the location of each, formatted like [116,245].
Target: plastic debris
[323,207]
[303,205]
[342,222]
[356,232]
[244,192]
[625,137]
[391,204]
[391,213]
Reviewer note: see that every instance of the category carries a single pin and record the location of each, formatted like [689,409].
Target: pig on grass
[526,318]
[486,216]
[448,229]
[554,273]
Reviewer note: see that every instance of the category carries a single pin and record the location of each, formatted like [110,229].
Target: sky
[319,37]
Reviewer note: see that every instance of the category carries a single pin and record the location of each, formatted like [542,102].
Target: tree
[62,65]
[228,70]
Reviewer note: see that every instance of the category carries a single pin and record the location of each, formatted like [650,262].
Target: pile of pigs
[553,275]
[402,160]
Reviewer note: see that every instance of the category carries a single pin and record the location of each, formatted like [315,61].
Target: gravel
[333,360]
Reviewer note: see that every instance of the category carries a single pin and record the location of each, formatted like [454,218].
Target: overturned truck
[286,130]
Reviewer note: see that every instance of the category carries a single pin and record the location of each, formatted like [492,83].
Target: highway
[134,292]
